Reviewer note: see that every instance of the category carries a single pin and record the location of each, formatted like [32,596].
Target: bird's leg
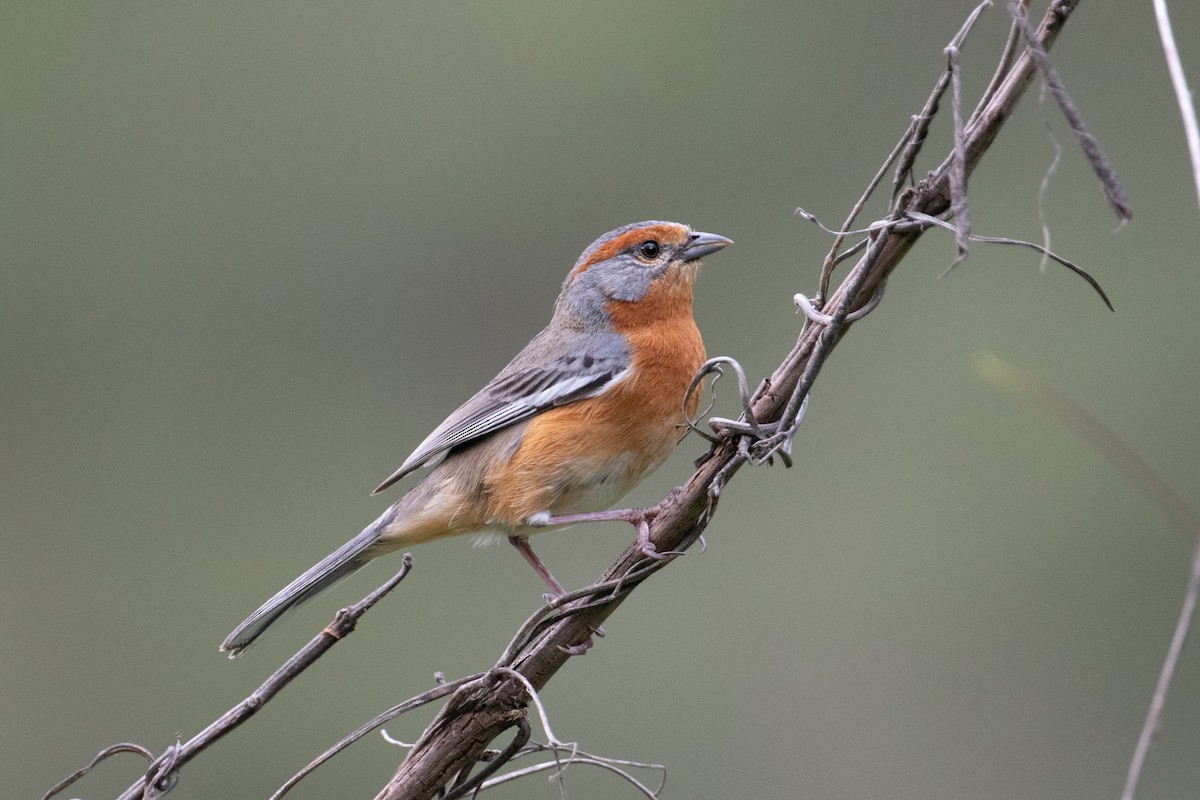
[557,590]
[639,518]
[522,545]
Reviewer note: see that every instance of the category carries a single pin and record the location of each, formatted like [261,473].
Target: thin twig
[832,258]
[164,770]
[553,740]
[1043,188]
[103,755]
[828,336]
[811,217]
[905,152]
[714,365]
[1007,55]
[436,693]
[1103,168]
[1158,702]
[959,210]
[1183,95]
[925,219]
[806,307]
[613,765]
[914,138]
[1157,491]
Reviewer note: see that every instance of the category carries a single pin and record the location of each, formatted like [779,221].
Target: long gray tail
[342,562]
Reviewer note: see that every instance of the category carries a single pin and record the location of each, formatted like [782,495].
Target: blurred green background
[253,253]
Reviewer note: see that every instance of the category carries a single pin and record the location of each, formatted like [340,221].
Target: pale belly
[595,488]
[581,489]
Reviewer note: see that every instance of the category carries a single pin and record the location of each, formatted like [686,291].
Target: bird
[591,406]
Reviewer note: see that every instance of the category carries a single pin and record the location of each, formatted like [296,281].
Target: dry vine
[453,757]
[481,712]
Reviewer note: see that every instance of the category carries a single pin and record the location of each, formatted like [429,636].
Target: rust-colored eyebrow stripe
[668,234]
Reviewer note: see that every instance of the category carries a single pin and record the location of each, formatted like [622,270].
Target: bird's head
[633,262]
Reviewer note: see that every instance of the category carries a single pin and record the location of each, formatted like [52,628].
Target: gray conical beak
[701,244]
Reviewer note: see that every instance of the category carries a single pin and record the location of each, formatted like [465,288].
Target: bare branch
[478,714]
[959,210]
[1158,702]
[1183,95]
[436,693]
[614,765]
[1044,187]
[914,138]
[481,708]
[1004,65]
[1046,253]
[103,755]
[163,772]
[1103,168]
[905,151]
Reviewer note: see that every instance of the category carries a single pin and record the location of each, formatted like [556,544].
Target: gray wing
[554,369]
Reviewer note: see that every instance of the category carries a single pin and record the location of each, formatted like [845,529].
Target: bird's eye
[649,250]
